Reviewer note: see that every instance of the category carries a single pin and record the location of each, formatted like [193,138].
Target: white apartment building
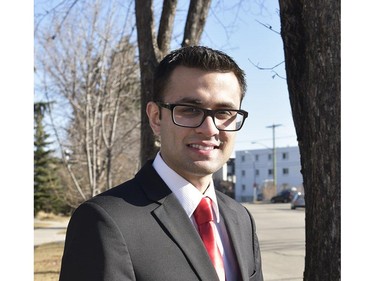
[254,172]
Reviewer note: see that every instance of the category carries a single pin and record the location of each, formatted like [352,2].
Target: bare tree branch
[67,12]
[97,79]
[62,150]
[269,27]
[166,25]
[195,21]
[269,68]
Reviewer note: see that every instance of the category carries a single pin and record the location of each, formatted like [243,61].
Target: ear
[153,113]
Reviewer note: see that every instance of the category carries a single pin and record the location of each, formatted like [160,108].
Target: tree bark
[195,21]
[166,25]
[310,31]
[148,53]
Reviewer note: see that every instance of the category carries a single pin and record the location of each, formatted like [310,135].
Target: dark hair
[195,57]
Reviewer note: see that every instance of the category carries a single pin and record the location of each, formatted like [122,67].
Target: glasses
[192,117]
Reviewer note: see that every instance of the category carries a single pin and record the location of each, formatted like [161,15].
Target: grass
[47,261]
[50,217]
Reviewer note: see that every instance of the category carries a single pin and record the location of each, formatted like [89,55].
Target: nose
[208,127]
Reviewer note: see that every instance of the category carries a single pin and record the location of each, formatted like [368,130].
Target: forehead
[193,85]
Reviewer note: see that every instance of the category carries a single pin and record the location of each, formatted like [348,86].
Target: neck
[202,184]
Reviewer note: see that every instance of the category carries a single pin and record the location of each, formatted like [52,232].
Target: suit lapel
[236,236]
[175,220]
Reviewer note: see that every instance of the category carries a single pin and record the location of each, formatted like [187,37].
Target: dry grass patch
[50,217]
[47,261]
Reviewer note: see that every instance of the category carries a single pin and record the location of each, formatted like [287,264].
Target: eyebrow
[189,100]
[193,101]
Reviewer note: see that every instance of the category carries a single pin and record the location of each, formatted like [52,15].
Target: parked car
[298,201]
[284,196]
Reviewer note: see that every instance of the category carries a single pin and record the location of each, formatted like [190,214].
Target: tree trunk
[147,61]
[311,34]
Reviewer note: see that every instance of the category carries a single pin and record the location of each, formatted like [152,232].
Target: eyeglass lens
[188,116]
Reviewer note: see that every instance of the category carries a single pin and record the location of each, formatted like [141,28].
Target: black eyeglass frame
[206,112]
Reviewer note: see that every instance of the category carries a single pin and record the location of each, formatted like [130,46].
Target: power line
[268,139]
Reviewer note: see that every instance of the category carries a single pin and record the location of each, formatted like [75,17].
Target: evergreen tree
[45,179]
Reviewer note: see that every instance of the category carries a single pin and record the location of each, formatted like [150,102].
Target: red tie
[205,221]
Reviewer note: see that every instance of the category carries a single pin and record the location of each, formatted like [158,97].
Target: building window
[285,155]
[243,158]
[256,157]
[270,172]
[243,187]
[285,171]
[270,156]
[243,173]
[257,172]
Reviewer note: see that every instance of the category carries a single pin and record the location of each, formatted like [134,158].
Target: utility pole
[274,154]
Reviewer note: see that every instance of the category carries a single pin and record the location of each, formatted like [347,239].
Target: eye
[225,114]
[188,111]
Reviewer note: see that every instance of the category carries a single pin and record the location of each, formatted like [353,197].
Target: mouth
[206,147]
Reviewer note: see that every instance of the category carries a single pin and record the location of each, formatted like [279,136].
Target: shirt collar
[187,194]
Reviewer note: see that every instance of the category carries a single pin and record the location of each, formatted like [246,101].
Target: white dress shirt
[189,197]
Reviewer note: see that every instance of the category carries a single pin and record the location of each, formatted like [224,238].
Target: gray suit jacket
[139,231]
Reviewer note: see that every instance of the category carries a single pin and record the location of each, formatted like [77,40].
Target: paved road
[281,233]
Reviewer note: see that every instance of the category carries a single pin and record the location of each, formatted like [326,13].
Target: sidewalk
[47,231]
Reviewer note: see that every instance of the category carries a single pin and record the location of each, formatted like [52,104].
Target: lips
[206,147]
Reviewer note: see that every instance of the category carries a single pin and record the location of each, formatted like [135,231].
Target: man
[149,228]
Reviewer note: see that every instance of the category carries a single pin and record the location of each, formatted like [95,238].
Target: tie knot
[203,213]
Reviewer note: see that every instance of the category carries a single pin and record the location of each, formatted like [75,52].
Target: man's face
[195,153]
